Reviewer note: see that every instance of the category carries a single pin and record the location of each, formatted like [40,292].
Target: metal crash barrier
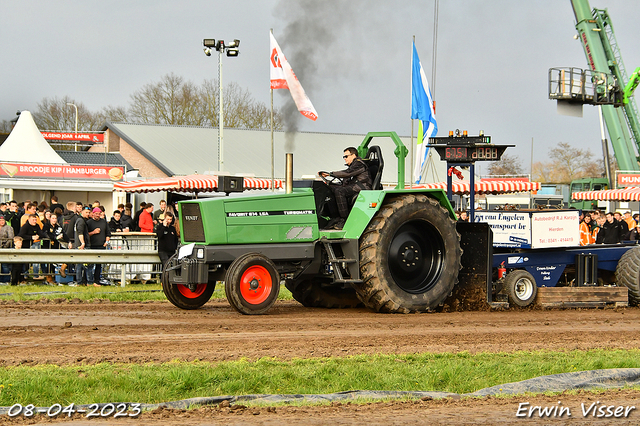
[130,256]
[133,242]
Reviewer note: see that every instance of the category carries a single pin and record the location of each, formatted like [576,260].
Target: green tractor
[398,251]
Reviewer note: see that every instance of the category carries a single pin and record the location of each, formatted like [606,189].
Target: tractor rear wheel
[181,295]
[317,293]
[628,274]
[252,284]
[409,256]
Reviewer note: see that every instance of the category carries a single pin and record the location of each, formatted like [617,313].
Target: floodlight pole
[232,50]
[221,116]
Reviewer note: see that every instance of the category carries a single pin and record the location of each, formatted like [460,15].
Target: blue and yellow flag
[422,108]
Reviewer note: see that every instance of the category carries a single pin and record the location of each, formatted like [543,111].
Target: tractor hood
[273,218]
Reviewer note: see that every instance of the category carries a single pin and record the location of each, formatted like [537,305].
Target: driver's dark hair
[352,150]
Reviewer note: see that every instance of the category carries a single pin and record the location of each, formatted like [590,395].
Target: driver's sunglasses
[345,156]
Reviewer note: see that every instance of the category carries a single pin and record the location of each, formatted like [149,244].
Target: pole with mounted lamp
[76,141]
[232,50]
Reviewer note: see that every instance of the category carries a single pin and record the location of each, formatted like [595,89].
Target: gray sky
[352,57]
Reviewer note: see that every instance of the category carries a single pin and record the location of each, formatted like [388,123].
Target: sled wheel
[252,284]
[521,288]
[409,256]
[628,274]
[181,295]
[319,293]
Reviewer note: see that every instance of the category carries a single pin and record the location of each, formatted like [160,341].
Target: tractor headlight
[200,253]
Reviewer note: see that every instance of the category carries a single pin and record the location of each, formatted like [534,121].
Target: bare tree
[115,114]
[541,172]
[170,101]
[5,126]
[240,110]
[508,165]
[173,100]
[56,114]
[567,163]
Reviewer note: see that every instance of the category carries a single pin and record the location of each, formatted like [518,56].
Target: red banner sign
[45,171]
[75,137]
[628,179]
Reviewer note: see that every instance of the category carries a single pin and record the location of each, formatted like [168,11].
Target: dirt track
[142,332]
[35,333]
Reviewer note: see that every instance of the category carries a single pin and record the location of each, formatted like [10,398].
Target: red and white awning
[622,194]
[191,183]
[484,187]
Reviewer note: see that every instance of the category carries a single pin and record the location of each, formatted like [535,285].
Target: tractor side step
[338,260]
[325,240]
[345,281]
[334,260]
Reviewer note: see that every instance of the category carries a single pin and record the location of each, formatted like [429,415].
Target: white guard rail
[131,255]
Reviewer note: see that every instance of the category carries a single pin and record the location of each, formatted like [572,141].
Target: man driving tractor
[354,179]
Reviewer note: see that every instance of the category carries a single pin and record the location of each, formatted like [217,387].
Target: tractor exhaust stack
[288,176]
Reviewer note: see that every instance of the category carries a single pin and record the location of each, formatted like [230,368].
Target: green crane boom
[603,55]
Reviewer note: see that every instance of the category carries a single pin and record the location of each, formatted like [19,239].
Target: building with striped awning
[622,194]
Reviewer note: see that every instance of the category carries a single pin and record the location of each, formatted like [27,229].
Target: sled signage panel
[555,229]
[510,229]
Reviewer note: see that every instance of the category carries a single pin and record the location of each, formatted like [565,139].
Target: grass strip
[130,293]
[113,293]
[45,385]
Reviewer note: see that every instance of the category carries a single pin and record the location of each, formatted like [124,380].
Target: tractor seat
[375,163]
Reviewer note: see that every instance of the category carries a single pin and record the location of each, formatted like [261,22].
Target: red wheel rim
[256,284]
[186,292]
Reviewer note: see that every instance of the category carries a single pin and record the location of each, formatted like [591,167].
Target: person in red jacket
[146,219]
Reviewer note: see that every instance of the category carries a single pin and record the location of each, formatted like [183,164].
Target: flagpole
[273,188]
[412,165]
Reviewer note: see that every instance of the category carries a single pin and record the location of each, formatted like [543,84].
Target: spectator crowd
[610,228]
[77,226]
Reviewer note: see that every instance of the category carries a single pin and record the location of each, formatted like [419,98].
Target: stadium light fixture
[232,51]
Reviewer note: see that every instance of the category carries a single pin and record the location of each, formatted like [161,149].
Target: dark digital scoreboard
[467,149]
[463,154]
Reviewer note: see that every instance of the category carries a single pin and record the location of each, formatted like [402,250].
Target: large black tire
[315,293]
[409,256]
[252,284]
[628,274]
[521,288]
[181,295]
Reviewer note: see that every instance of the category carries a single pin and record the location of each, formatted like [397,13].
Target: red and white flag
[283,77]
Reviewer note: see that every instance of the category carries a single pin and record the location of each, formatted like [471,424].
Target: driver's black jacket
[357,174]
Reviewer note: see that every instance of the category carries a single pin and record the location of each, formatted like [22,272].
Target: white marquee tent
[26,144]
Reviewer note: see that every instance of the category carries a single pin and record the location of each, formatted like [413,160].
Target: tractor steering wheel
[329,180]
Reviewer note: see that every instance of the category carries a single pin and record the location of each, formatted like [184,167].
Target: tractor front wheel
[252,284]
[183,296]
